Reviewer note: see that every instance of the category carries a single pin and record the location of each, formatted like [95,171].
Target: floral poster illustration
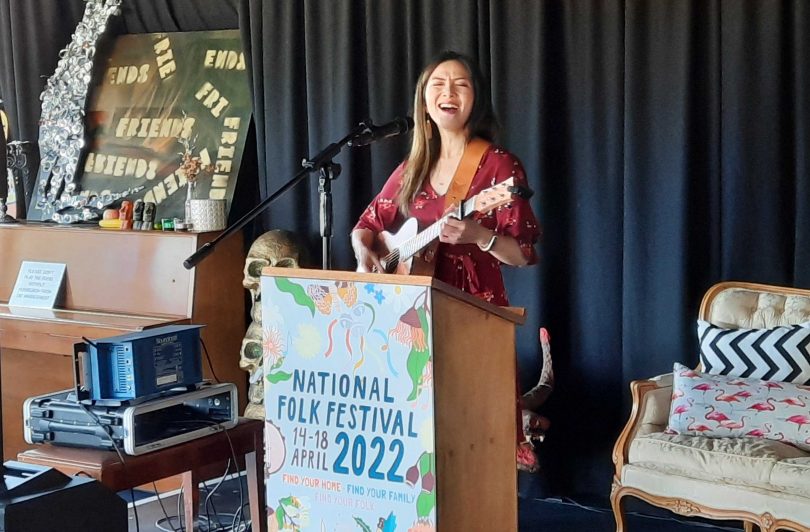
[349,400]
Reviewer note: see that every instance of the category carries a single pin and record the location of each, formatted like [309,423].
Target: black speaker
[41,499]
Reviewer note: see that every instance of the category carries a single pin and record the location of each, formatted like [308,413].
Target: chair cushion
[722,406]
[793,475]
[752,462]
[779,503]
[777,354]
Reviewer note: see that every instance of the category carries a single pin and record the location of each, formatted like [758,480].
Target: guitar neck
[413,245]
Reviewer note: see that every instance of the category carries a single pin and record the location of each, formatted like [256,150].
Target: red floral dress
[464,266]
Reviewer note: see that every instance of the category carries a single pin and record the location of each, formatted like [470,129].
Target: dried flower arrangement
[191,165]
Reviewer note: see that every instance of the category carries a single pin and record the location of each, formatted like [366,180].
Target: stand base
[6,219]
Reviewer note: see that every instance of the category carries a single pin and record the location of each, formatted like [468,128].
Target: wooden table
[196,461]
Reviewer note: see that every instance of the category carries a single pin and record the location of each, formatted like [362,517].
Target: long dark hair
[425,147]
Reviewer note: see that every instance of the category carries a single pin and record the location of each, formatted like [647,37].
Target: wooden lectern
[443,364]
[116,282]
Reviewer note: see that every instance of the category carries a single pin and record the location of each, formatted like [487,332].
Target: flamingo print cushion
[722,406]
[776,354]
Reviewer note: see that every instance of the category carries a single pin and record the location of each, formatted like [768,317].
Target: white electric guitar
[397,250]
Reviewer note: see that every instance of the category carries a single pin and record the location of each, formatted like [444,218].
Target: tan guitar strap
[456,192]
[467,167]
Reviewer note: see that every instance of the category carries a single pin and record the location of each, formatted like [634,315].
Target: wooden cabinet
[116,282]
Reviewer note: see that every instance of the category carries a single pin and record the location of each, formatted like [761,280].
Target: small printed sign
[38,285]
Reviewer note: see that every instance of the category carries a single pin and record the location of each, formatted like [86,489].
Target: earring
[428,128]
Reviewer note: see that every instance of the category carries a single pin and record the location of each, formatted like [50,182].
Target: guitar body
[388,242]
[409,251]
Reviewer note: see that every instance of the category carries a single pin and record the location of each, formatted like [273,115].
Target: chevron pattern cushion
[777,354]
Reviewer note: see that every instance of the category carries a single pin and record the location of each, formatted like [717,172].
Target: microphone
[372,133]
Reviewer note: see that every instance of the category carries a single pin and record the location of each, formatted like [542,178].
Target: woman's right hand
[367,259]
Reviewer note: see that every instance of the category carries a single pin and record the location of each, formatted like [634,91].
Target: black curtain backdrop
[667,143]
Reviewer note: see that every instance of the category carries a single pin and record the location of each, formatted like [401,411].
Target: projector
[141,365]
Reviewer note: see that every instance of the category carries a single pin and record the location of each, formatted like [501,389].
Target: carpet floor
[554,515]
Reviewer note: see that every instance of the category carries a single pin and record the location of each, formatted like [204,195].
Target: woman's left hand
[466,231]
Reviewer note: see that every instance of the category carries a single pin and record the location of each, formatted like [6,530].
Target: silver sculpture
[62,123]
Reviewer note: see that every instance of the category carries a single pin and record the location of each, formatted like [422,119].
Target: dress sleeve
[382,212]
[516,219]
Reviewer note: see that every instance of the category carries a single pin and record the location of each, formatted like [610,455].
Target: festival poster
[155,97]
[349,403]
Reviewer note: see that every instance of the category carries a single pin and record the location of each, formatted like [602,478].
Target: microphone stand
[327,171]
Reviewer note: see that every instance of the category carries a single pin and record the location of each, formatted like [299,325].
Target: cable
[247,525]
[208,500]
[168,522]
[238,519]
[89,341]
[206,523]
[181,501]
[202,526]
[165,513]
[109,433]
[233,456]
[211,493]
[238,513]
[219,526]
[239,478]
[181,507]
[205,503]
[135,510]
[210,364]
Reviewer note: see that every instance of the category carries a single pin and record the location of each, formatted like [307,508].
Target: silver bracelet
[489,244]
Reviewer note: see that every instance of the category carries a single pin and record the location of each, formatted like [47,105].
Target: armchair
[759,481]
